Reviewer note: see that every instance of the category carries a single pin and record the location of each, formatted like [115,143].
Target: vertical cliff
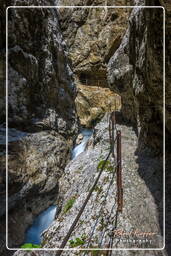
[92,36]
[42,120]
[41,114]
[136,72]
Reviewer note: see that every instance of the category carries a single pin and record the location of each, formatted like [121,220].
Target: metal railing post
[119,173]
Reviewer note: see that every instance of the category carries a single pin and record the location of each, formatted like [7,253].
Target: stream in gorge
[41,222]
[78,149]
[45,218]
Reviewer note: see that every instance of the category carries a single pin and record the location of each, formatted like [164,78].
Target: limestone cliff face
[142,173]
[140,211]
[92,36]
[136,72]
[40,80]
[41,110]
[91,105]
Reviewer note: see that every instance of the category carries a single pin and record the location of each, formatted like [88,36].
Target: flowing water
[78,149]
[44,220]
[41,222]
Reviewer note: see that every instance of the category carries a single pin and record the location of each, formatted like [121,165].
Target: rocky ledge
[142,197]
[36,162]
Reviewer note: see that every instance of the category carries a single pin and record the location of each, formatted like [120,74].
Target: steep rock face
[41,111]
[136,72]
[92,36]
[138,77]
[35,165]
[140,211]
[167,6]
[2,86]
[40,80]
[92,105]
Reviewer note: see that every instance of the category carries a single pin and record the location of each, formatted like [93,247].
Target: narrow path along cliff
[68,70]
[139,210]
[140,213]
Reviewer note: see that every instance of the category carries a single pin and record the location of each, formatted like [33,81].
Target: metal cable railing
[100,212]
[114,136]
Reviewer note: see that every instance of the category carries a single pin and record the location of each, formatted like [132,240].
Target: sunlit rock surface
[93,102]
[92,36]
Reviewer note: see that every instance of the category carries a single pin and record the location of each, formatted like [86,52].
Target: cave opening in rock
[98,79]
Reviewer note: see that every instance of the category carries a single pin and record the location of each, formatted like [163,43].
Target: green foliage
[98,189]
[69,205]
[107,165]
[78,241]
[30,246]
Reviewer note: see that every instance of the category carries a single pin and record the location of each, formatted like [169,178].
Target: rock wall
[41,111]
[40,80]
[140,211]
[167,6]
[136,72]
[92,36]
[137,79]
[91,105]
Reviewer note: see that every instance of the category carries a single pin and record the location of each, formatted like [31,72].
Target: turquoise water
[45,219]
[41,222]
[78,149]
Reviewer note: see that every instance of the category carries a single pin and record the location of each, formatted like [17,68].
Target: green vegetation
[98,189]
[30,246]
[107,165]
[78,241]
[69,205]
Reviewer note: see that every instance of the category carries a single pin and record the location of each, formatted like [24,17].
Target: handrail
[112,129]
[82,208]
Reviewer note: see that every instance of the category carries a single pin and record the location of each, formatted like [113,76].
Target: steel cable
[112,139]
[94,227]
[82,208]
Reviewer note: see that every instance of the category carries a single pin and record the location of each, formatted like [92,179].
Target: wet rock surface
[36,162]
[140,212]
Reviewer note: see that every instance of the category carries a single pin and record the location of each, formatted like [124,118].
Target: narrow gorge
[68,70]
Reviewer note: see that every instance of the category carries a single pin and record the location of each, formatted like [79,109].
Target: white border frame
[164,118]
